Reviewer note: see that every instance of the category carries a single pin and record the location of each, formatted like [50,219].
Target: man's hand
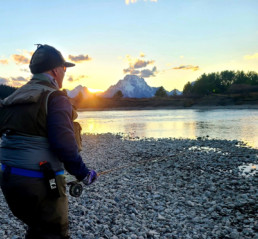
[90,178]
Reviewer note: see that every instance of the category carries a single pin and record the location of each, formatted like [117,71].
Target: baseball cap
[46,58]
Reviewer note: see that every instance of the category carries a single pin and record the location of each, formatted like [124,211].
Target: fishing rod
[76,188]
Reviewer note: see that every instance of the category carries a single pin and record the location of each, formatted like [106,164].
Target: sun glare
[95,90]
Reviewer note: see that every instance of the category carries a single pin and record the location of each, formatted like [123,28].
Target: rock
[189,203]
[193,190]
[152,233]
[161,217]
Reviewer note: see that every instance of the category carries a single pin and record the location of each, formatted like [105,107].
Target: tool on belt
[50,178]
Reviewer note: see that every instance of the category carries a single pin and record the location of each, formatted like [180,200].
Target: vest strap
[27,172]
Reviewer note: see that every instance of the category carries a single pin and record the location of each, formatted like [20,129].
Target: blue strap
[60,172]
[29,173]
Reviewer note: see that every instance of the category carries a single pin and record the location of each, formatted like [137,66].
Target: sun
[95,90]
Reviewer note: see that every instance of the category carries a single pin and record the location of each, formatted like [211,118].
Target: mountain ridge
[131,86]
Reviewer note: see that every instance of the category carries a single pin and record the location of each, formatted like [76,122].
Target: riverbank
[244,100]
[186,189]
[196,107]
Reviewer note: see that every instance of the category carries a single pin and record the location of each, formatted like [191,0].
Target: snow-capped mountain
[174,92]
[131,86]
[75,92]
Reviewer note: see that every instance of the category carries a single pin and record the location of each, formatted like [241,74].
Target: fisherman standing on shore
[38,143]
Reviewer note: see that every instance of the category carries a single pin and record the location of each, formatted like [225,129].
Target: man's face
[60,73]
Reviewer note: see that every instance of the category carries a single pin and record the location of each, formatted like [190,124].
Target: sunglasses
[64,67]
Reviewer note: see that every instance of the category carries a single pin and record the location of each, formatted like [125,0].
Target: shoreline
[237,107]
[194,188]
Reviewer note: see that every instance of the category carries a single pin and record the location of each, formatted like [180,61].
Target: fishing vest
[25,111]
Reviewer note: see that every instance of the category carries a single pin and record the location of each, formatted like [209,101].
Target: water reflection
[135,129]
[221,124]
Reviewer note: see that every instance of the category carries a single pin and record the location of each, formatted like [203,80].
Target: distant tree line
[6,90]
[118,95]
[161,92]
[223,82]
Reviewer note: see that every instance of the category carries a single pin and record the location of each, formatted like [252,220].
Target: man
[38,143]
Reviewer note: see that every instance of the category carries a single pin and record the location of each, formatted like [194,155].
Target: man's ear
[54,71]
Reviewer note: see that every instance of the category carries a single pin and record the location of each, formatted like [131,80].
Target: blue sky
[168,42]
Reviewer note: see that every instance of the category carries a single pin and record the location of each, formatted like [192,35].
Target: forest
[6,90]
[223,82]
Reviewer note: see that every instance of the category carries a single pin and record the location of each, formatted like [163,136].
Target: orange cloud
[20,59]
[4,61]
[187,67]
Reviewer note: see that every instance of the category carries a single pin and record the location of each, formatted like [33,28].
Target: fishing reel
[75,189]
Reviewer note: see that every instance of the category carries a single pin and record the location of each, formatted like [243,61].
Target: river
[230,124]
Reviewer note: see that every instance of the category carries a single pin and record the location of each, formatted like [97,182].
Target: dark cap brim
[69,64]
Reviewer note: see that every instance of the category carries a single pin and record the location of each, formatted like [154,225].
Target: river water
[231,124]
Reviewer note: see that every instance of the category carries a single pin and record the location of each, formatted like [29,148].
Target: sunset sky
[167,42]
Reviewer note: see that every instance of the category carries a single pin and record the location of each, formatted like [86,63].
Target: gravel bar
[170,188]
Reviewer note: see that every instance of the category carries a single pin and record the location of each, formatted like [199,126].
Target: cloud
[130,59]
[4,61]
[140,63]
[19,79]
[148,73]
[14,81]
[79,58]
[25,52]
[25,70]
[127,2]
[143,73]
[251,57]
[135,72]
[187,67]
[3,81]
[126,70]
[132,71]
[136,64]
[20,59]
[72,79]
[142,54]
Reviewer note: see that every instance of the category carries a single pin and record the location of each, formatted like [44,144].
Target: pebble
[194,189]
